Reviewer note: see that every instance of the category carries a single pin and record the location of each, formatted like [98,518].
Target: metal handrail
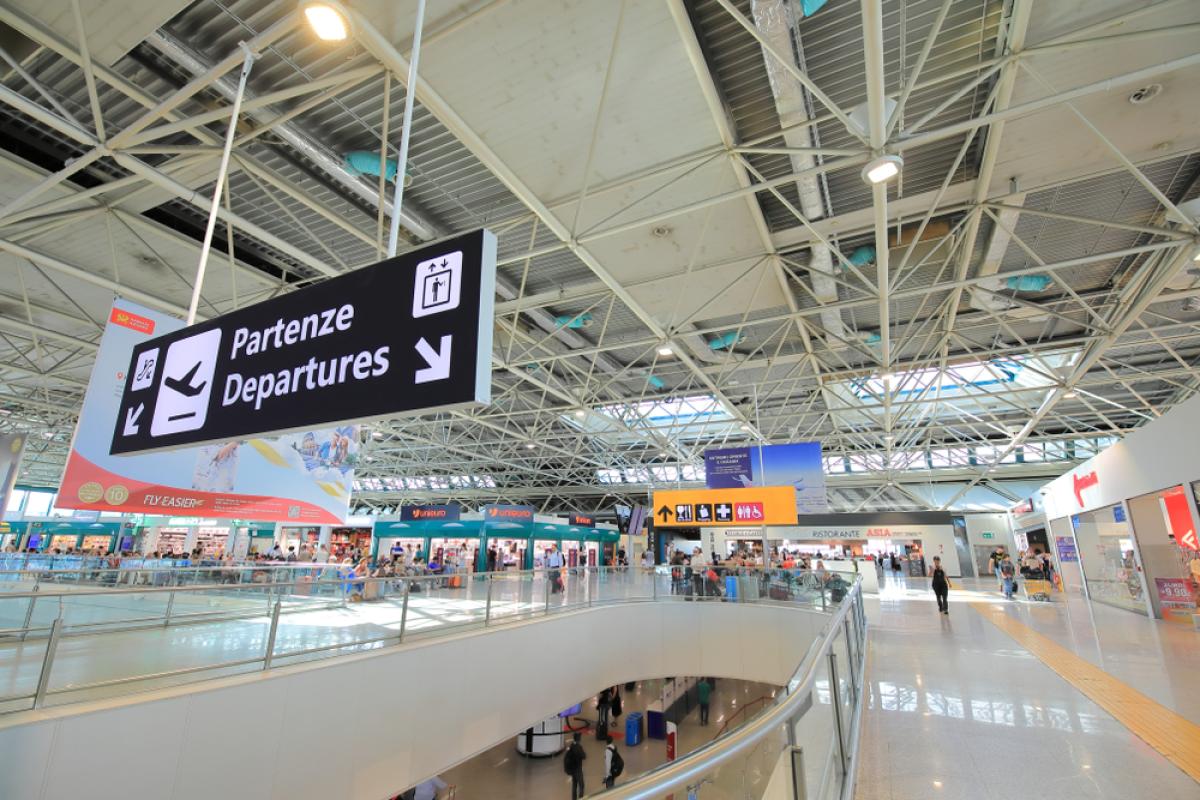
[699,763]
[58,628]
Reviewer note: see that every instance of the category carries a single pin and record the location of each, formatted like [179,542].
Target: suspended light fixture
[666,350]
[882,168]
[327,19]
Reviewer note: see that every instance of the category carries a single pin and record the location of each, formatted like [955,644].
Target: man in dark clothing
[574,766]
[604,706]
[940,585]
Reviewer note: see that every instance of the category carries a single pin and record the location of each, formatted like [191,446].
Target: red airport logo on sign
[748,512]
[133,321]
[1082,483]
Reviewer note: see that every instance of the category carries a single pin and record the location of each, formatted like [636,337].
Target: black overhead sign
[407,335]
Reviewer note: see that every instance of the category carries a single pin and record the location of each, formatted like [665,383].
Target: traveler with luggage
[554,563]
[603,707]
[614,765]
[1008,574]
[573,765]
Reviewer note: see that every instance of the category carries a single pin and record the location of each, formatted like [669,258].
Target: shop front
[1129,515]
[504,537]
[345,542]
[914,538]
[408,537]
[74,537]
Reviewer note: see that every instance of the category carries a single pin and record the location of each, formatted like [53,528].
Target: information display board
[407,335]
[797,464]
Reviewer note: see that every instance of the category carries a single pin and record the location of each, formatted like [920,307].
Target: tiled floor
[958,709]
[502,774]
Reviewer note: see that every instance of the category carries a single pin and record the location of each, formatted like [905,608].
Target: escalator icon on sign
[186,384]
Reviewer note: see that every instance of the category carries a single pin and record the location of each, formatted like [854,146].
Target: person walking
[573,765]
[603,707]
[704,694]
[1008,576]
[554,565]
[940,585]
[614,765]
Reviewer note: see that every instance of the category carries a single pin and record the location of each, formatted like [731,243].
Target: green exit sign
[989,536]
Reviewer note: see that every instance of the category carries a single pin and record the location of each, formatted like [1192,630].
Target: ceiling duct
[774,20]
[324,158]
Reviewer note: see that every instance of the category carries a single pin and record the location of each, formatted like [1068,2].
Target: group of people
[1030,564]
[608,707]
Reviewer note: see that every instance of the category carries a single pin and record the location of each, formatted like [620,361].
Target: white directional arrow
[131,419]
[438,360]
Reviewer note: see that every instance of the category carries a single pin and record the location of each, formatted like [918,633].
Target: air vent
[1145,94]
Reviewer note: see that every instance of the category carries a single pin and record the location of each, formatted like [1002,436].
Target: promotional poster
[304,476]
[798,464]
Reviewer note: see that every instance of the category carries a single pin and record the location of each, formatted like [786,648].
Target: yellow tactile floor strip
[1177,738]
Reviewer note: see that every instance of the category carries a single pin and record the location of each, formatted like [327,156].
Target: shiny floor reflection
[956,709]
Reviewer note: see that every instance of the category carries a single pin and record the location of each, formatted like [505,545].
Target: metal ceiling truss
[1111,341]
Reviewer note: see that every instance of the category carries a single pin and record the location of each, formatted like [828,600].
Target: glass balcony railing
[84,633]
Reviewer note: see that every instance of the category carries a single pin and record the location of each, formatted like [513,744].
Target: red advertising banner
[1179,517]
[1175,593]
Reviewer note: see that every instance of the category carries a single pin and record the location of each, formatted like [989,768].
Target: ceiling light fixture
[580,413]
[744,427]
[666,350]
[529,445]
[1069,394]
[327,20]
[882,168]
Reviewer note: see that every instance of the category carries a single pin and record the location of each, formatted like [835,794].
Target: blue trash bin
[633,729]
[731,587]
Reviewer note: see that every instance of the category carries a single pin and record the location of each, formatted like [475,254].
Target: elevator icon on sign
[438,285]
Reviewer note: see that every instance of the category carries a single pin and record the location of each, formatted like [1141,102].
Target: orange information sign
[756,505]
